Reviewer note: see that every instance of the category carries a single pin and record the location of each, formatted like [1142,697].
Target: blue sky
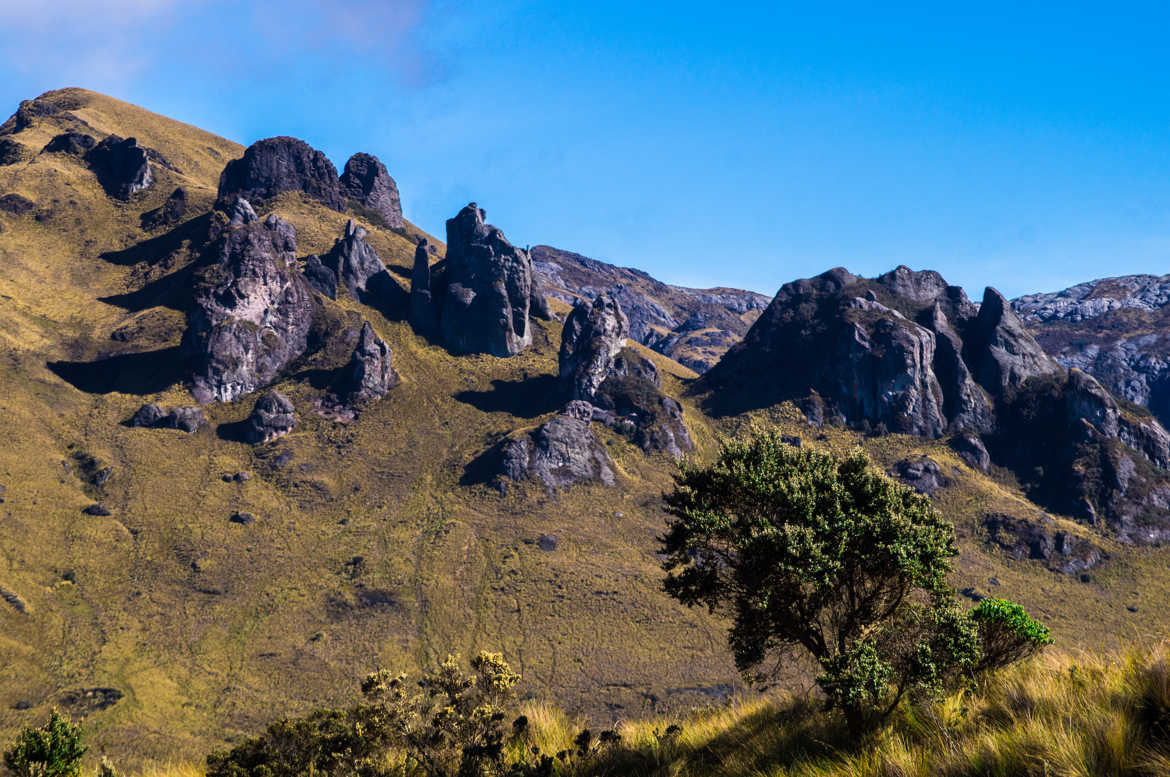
[1026,146]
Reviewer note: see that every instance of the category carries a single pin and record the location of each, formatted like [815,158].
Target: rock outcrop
[122,166]
[1115,329]
[1060,551]
[633,406]
[559,453]
[281,164]
[360,270]
[594,333]
[366,182]
[692,326]
[73,143]
[273,416]
[12,152]
[252,312]
[152,416]
[169,213]
[424,313]
[907,353]
[368,375]
[489,289]
[323,279]
[923,474]
[1002,354]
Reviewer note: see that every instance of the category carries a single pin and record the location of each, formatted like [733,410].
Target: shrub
[1007,633]
[53,750]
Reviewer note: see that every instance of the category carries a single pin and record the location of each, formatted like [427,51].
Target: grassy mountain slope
[367,549]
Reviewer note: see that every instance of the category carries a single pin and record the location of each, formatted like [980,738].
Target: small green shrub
[53,750]
[1007,633]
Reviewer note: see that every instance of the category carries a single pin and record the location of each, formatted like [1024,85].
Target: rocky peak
[369,373]
[423,313]
[281,164]
[366,181]
[594,333]
[489,289]
[999,349]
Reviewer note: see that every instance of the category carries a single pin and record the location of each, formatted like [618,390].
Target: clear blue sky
[747,144]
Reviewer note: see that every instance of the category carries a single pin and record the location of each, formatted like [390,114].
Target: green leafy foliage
[53,750]
[1007,633]
[809,551]
[447,724]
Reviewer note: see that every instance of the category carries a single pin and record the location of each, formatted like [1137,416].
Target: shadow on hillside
[484,468]
[522,398]
[165,244]
[171,291]
[232,431]
[131,373]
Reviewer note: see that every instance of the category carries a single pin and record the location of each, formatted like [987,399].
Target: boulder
[74,143]
[359,269]
[244,519]
[281,164]
[122,166]
[424,316]
[923,474]
[560,453]
[594,333]
[629,363]
[366,181]
[323,279]
[548,542]
[488,289]
[186,419]
[273,416]
[252,312]
[169,213]
[999,350]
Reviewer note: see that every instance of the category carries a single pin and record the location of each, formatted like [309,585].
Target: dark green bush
[1007,633]
[53,750]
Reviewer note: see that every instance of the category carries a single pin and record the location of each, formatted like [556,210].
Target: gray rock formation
[369,375]
[273,416]
[999,349]
[560,453]
[692,326]
[366,181]
[122,166]
[965,404]
[360,270]
[424,313]
[281,164]
[972,451]
[923,474]
[252,312]
[1115,329]
[1060,551]
[152,416]
[594,333]
[488,293]
[321,278]
[241,213]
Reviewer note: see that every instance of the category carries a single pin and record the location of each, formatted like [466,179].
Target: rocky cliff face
[692,326]
[252,312]
[907,353]
[488,290]
[1114,329]
[359,269]
[592,336]
[122,166]
[366,182]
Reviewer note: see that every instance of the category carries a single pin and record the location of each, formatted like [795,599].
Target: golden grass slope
[367,550]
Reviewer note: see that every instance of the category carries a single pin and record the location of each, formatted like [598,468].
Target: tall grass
[1055,716]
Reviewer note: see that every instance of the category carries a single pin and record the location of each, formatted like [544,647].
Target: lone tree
[805,550]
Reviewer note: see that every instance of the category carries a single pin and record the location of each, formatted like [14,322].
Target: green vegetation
[53,750]
[806,550]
